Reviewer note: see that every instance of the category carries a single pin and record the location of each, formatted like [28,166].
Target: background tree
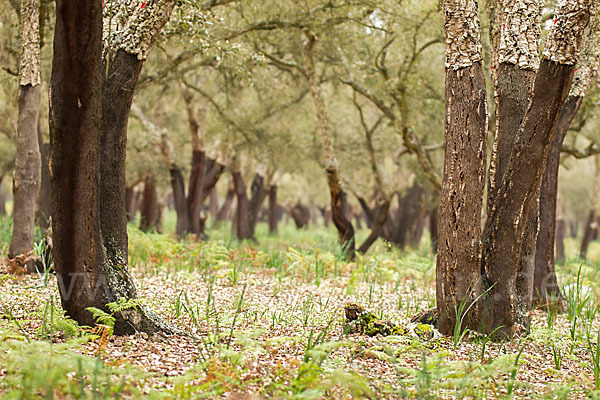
[27,173]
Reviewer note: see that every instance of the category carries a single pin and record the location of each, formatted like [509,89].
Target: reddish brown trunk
[516,200]
[150,213]
[181,207]
[459,221]
[301,215]
[545,282]
[196,194]
[241,225]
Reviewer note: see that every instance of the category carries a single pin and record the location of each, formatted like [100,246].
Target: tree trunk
[561,231]
[130,203]
[273,210]
[44,199]
[378,217]
[150,211]
[459,229]
[545,282]
[258,196]
[241,226]
[2,198]
[195,195]
[433,228]
[225,210]
[27,175]
[338,195]
[301,215]
[591,226]
[181,207]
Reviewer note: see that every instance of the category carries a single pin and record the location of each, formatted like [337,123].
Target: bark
[241,226]
[258,194]
[459,222]
[561,231]
[44,209]
[130,203]
[338,195]
[150,211]
[378,217]
[274,212]
[433,228]
[181,207]
[84,277]
[301,215]
[546,284]
[27,175]
[196,194]
[545,281]
[505,229]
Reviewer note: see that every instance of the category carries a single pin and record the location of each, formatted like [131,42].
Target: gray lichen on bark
[132,25]
[463,42]
[565,38]
[29,68]
[589,61]
[519,25]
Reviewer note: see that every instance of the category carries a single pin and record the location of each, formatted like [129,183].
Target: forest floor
[267,320]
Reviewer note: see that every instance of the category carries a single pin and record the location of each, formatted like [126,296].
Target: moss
[424,331]
[368,324]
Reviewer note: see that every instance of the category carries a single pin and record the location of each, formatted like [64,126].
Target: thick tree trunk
[459,222]
[505,230]
[433,228]
[274,213]
[150,211]
[27,175]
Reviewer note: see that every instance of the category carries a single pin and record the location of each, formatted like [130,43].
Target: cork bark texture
[519,26]
[29,68]
[132,25]
[589,61]
[566,36]
[463,36]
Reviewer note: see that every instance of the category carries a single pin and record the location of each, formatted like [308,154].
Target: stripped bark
[459,229]
[545,282]
[506,227]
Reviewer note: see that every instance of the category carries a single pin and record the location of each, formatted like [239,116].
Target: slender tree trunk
[561,230]
[433,228]
[196,196]
[273,210]
[516,200]
[27,175]
[241,223]
[338,195]
[459,229]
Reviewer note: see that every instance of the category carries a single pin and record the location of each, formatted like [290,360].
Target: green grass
[276,303]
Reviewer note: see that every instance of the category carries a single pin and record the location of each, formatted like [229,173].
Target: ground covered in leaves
[267,320]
